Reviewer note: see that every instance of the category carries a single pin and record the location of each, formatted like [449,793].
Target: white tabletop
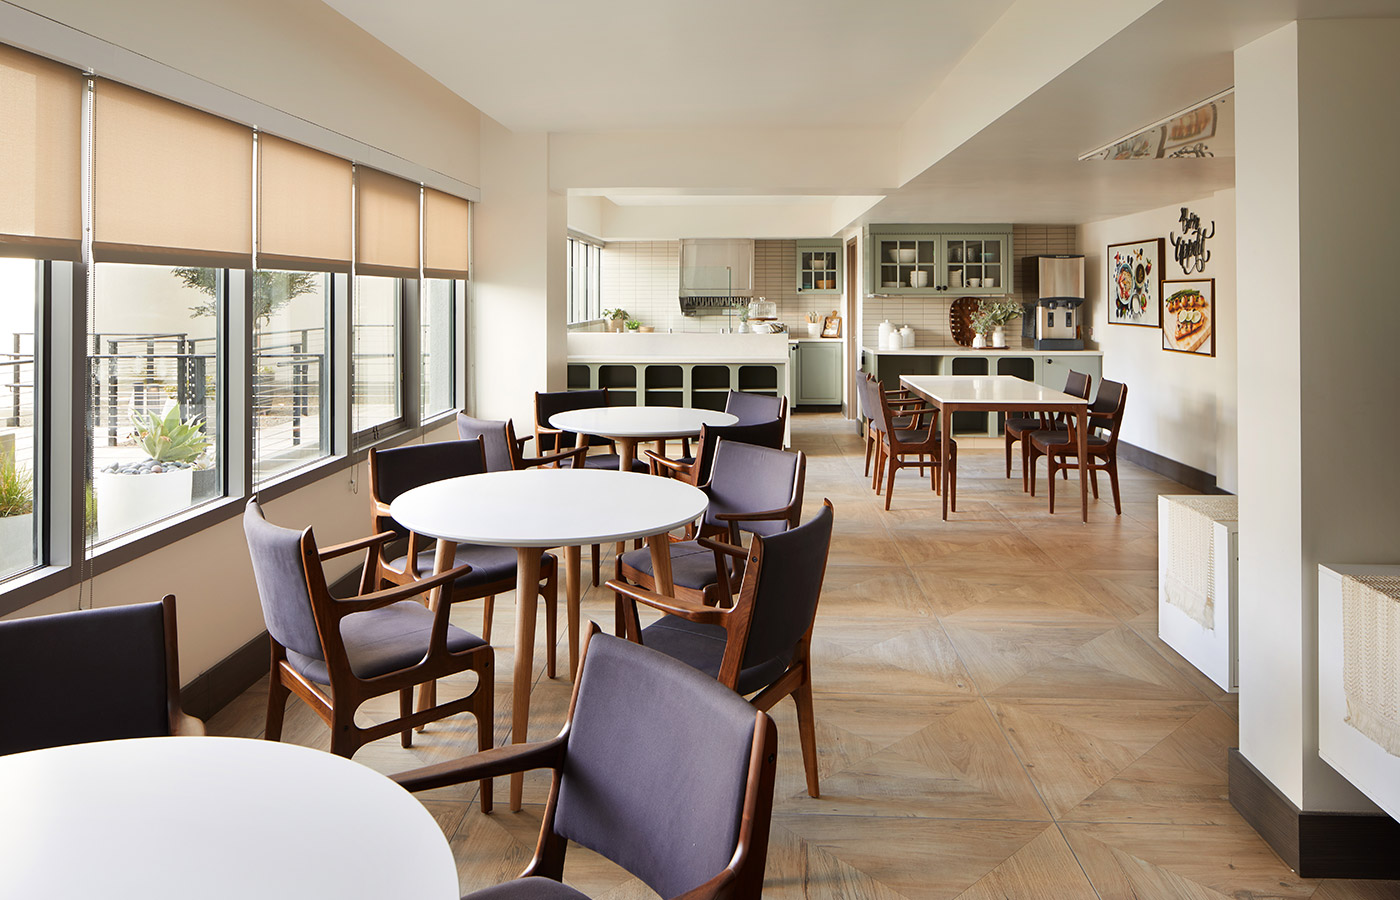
[548,507]
[986,389]
[640,421]
[212,817]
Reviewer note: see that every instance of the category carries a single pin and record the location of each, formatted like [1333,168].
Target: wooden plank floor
[995,715]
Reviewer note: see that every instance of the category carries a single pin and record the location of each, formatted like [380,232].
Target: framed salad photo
[1135,283]
[1188,316]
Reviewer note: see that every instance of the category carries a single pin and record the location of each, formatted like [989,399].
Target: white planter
[16,543]
[998,337]
[125,502]
[979,340]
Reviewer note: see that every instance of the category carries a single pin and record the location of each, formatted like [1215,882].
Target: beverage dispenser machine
[1058,284]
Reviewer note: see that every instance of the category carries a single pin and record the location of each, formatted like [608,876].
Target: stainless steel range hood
[716,275]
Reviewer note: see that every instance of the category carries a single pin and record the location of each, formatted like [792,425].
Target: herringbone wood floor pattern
[995,715]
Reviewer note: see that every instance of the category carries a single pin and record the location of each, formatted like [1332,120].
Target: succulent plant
[169,438]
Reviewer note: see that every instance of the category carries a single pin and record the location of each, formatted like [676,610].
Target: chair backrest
[745,478]
[279,569]
[657,770]
[786,585]
[551,403]
[497,440]
[400,469]
[1110,401]
[760,434]
[754,408]
[863,397]
[89,675]
[1077,384]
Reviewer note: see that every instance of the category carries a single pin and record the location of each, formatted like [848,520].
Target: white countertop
[984,351]
[794,339]
[602,347]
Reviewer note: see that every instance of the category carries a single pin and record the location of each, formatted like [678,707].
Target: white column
[1319,316]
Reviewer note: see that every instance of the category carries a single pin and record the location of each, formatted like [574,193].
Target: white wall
[1181,406]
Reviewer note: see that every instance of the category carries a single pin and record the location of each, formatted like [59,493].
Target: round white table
[212,817]
[532,509]
[629,425]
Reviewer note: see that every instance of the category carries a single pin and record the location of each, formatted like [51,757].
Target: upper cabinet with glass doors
[819,268]
[934,263]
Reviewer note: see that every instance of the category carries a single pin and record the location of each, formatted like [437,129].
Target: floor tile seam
[1077,861]
[910,818]
[1025,770]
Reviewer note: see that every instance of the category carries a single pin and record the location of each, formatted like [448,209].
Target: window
[375,368]
[291,371]
[20,283]
[437,344]
[585,280]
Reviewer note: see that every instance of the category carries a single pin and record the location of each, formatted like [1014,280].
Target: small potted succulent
[135,493]
[633,325]
[990,319]
[615,318]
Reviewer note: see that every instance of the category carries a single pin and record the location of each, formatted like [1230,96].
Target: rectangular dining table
[1000,393]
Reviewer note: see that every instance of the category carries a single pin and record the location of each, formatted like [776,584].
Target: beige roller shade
[445,220]
[41,118]
[305,200]
[170,183]
[386,224]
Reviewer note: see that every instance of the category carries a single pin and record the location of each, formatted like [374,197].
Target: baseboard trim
[1314,844]
[1187,475]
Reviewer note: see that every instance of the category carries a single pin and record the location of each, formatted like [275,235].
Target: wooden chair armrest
[766,514]
[491,763]
[520,442]
[550,459]
[674,467]
[183,724]
[722,547]
[363,543]
[376,599]
[685,609]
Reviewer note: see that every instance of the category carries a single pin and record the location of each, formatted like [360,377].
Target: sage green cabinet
[961,263]
[816,373]
[819,267]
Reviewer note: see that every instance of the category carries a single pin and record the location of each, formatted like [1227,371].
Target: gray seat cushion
[534,888]
[610,462]
[702,647]
[1061,438]
[379,641]
[489,564]
[692,566]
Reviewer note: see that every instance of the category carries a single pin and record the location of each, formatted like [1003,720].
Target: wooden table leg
[945,415]
[444,559]
[1082,420]
[660,545]
[527,580]
[571,594]
[626,452]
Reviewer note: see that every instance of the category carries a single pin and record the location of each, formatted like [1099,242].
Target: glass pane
[290,371]
[153,355]
[19,283]
[375,369]
[437,346]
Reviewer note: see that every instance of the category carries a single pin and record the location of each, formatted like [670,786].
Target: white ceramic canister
[906,337]
[886,329]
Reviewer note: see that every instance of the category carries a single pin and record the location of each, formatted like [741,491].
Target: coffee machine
[1058,284]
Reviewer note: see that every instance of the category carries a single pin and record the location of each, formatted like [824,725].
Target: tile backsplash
[929,316]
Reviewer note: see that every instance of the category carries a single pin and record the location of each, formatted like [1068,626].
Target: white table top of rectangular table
[990,389]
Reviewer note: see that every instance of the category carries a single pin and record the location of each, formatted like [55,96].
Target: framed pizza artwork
[1134,283]
[1188,316]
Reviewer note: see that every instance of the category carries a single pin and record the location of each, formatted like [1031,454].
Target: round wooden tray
[960,319]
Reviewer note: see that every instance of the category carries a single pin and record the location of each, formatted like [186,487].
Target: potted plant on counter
[136,493]
[633,325]
[615,318]
[990,320]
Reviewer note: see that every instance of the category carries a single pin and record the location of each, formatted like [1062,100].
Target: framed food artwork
[1135,283]
[1188,316]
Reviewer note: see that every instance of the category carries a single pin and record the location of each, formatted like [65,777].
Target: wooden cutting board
[960,319]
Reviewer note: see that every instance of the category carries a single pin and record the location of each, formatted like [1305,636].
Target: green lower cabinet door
[818,374]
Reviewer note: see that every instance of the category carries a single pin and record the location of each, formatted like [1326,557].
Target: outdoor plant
[994,314]
[168,438]
[16,489]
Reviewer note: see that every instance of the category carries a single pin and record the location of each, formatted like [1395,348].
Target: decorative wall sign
[831,326]
[1188,316]
[1134,283]
[1191,250]
[1204,131]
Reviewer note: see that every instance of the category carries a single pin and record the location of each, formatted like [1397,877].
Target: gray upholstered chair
[754,408]
[912,437]
[762,646]
[867,389]
[551,440]
[1015,428]
[696,470]
[1061,448]
[337,653]
[752,489]
[493,569]
[657,768]
[91,675]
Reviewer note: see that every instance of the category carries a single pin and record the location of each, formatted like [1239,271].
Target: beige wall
[1180,405]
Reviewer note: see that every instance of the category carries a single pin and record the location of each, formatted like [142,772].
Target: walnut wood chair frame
[741,879]
[1059,447]
[347,691]
[696,471]
[736,622]
[1016,428]
[908,410]
[920,440]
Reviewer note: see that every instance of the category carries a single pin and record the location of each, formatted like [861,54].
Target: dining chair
[657,768]
[1016,428]
[336,653]
[752,408]
[91,675]
[918,439]
[550,440]
[761,646]
[696,470]
[1060,447]
[866,389]
[755,490]
[493,569]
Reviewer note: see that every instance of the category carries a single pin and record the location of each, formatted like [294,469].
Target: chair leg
[807,732]
[484,710]
[406,710]
[1027,481]
[551,620]
[1009,440]
[1113,483]
[893,462]
[953,478]
[487,614]
[1032,459]
[1093,479]
[345,737]
[869,448]
[597,552]
[277,694]
[1050,479]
